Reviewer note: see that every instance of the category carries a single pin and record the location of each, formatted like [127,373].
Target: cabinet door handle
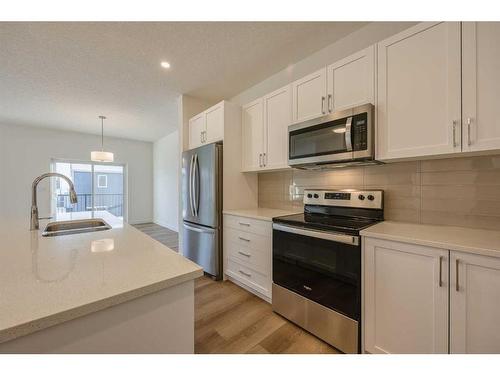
[246,274]
[264,159]
[308,288]
[454,133]
[323,105]
[440,272]
[330,102]
[244,224]
[260,160]
[469,141]
[201,137]
[244,254]
[457,288]
[244,239]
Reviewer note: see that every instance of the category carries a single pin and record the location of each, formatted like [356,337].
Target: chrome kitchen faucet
[34,208]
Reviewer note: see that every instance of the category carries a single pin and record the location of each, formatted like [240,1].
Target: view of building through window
[98,187]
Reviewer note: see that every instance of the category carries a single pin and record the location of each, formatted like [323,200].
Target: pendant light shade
[102,156]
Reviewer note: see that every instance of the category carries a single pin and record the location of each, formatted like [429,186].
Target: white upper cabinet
[418,92]
[265,131]
[405,298]
[481,82]
[277,117]
[474,303]
[351,81]
[207,127]
[252,123]
[196,130]
[215,123]
[309,96]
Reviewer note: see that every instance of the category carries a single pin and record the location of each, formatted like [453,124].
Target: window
[99,187]
[102,181]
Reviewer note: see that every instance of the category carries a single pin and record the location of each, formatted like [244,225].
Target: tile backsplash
[457,191]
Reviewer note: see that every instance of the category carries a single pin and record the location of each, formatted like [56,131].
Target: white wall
[26,152]
[356,41]
[165,181]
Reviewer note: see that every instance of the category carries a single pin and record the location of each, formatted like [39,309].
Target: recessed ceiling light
[165,64]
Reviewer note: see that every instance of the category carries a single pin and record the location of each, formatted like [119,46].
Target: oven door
[322,266]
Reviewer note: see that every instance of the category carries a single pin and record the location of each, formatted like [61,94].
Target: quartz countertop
[260,213]
[49,280]
[475,241]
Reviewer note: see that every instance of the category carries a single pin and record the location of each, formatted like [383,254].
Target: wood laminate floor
[230,320]
[164,235]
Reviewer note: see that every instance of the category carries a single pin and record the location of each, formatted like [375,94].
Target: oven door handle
[329,236]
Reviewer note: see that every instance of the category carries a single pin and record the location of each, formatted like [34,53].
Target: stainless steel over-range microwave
[337,139]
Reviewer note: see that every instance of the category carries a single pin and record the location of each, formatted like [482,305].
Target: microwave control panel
[360,132]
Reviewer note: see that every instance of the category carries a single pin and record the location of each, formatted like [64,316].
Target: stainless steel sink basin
[60,228]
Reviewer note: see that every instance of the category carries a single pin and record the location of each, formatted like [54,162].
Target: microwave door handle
[348,138]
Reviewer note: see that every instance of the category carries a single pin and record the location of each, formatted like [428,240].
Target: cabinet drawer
[260,227]
[256,259]
[248,240]
[248,276]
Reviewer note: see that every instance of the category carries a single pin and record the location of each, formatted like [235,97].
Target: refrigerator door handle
[191,205]
[199,230]
[196,186]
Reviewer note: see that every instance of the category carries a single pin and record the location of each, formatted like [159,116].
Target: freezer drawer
[202,245]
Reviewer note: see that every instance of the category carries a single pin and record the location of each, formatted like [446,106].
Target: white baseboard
[166,225]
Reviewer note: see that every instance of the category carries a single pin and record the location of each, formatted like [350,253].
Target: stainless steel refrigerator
[202,207]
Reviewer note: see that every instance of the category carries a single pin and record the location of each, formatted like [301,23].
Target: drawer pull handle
[308,288]
[245,254]
[244,239]
[245,224]
[246,274]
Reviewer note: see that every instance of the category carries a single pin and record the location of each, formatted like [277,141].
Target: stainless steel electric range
[317,263]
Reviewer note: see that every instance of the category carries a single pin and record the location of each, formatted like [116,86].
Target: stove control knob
[370,197]
[316,196]
[361,197]
[309,195]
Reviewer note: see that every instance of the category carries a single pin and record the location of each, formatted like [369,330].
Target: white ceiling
[63,75]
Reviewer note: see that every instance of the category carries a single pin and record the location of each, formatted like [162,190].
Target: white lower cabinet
[412,304]
[405,303]
[248,253]
[474,303]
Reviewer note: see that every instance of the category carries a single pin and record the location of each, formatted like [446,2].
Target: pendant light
[102,155]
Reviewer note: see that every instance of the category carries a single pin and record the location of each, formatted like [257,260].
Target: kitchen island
[112,291]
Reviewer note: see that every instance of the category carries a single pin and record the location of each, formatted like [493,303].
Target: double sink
[61,228]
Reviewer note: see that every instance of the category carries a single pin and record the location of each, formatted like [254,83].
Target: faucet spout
[34,225]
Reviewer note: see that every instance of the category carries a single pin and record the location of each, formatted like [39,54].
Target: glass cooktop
[344,224]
